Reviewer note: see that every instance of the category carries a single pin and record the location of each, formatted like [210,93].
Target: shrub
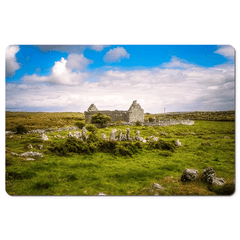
[138,123]
[100,118]
[42,184]
[21,129]
[226,189]
[150,119]
[91,128]
[160,144]
[79,124]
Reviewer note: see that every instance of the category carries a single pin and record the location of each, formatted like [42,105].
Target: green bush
[42,184]
[138,123]
[160,144]
[91,128]
[100,118]
[21,129]
[150,119]
[79,124]
[226,189]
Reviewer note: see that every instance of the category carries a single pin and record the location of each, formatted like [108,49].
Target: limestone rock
[29,146]
[103,136]
[31,154]
[152,138]
[209,176]
[206,144]
[77,135]
[44,137]
[163,133]
[178,144]
[14,154]
[84,134]
[226,137]
[70,135]
[113,135]
[102,194]
[128,134]
[40,146]
[30,159]
[158,186]
[189,175]
[7,133]
[120,136]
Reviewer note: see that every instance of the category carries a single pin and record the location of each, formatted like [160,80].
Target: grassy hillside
[110,172]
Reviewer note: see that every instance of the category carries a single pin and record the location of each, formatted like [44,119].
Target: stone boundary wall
[169,123]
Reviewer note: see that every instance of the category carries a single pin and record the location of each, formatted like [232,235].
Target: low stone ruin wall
[115,115]
[169,123]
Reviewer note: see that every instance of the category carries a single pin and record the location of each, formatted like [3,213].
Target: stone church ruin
[135,113]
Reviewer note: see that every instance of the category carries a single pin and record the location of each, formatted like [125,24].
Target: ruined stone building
[134,113]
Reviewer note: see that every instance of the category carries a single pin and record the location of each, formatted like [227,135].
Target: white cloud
[226,51]
[63,72]
[98,48]
[213,88]
[190,88]
[77,61]
[11,62]
[116,54]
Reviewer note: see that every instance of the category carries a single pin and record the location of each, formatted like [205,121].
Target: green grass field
[114,174]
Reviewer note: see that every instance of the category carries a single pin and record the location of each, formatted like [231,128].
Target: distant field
[115,174]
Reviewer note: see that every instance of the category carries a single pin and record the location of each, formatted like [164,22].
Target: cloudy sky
[70,78]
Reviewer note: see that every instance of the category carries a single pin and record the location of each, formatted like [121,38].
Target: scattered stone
[206,144]
[155,194]
[151,191]
[209,176]
[41,131]
[103,136]
[189,175]
[7,133]
[77,135]
[70,135]
[192,133]
[40,146]
[154,119]
[84,134]
[102,194]
[152,138]
[31,154]
[208,137]
[120,136]
[44,137]
[14,154]
[29,146]
[225,137]
[10,136]
[128,134]
[30,159]
[178,144]
[113,135]
[158,186]
[163,133]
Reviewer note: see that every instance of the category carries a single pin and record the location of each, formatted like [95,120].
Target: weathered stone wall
[169,123]
[134,113]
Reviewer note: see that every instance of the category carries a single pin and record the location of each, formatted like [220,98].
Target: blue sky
[70,77]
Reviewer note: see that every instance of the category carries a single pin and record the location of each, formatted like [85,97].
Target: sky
[69,78]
